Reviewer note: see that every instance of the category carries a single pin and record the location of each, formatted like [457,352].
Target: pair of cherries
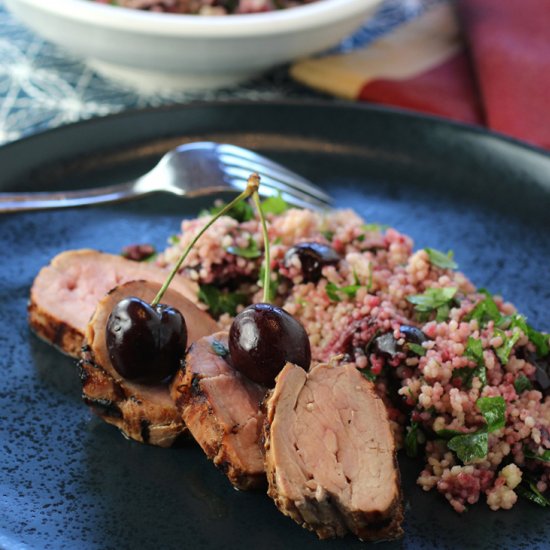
[147,342]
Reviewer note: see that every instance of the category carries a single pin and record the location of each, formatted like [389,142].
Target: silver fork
[190,170]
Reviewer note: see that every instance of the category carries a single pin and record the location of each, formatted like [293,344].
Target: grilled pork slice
[330,454]
[65,293]
[221,409]
[142,412]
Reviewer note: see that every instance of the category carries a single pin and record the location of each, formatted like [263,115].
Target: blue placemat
[43,86]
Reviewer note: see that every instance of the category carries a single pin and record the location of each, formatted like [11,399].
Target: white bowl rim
[289,20]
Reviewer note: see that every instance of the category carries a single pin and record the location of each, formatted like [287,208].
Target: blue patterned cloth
[42,86]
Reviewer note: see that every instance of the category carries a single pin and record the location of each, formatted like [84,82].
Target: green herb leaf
[528,489]
[476,445]
[439,259]
[411,440]
[369,281]
[539,339]
[474,349]
[328,235]
[416,348]
[485,311]
[474,352]
[374,227]
[242,211]
[220,349]
[544,457]
[432,299]
[334,291]
[250,252]
[219,302]
[173,239]
[493,410]
[275,205]
[368,374]
[468,447]
[467,374]
[503,351]
[522,383]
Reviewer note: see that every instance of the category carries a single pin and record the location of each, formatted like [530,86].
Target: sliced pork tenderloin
[221,409]
[330,455]
[65,293]
[142,412]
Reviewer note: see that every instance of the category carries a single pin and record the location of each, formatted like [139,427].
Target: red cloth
[509,42]
[447,90]
[503,81]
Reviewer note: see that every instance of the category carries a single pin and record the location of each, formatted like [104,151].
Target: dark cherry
[313,257]
[413,334]
[263,338]
[145,343]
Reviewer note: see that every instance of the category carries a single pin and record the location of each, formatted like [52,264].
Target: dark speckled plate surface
[69,481]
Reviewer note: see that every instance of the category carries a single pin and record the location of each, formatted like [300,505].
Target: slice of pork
[330,454]
[221,409]
[145,413]
[65,293]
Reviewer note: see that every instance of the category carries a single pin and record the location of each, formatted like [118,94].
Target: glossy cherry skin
[313,257]
[263,338]
[145,344]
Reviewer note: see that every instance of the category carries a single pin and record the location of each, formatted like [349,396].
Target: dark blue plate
[69,481]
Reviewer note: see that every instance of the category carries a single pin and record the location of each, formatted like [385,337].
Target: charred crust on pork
[221,410]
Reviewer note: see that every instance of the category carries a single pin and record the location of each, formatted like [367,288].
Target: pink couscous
[464,377]
[207,7]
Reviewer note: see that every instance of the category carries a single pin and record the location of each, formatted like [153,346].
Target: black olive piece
[146,344]
[386,344]
[413,334]
[313,257]
[541,376]
[263,338]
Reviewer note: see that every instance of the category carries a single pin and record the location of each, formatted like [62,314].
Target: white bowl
[161,51]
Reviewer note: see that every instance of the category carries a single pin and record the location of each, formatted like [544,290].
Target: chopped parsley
[474,352]
[250,252]
[468,447]
[493,410]
[329,235]
[434,299]
[475,445]
[503,351]
[219,302]
[528,489]
[522,383]
[439,259]
[368,374]
[242,211]
[544,457]
[275,205]
[486,310]
[334,291]
[411,440]
[416,348]
[173,239]
[374,227]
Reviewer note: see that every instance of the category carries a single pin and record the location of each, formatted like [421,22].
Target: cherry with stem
[147,342]
[264,337]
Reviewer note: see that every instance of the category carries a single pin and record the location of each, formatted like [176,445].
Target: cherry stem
[267,259]
[251,188]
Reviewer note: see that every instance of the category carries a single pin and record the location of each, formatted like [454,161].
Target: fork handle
[20,202]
